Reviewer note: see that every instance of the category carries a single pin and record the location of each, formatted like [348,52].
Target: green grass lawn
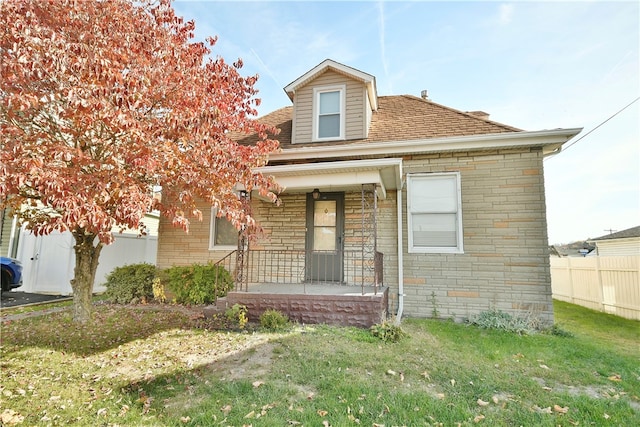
[139,366]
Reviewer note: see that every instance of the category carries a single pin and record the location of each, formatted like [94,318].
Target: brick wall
[505,262]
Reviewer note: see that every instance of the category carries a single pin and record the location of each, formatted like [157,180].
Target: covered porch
[321,262]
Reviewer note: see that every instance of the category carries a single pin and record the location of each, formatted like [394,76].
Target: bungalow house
[392,205]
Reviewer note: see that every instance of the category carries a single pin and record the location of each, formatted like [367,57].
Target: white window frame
[342,89]
[458,249]
[212,233]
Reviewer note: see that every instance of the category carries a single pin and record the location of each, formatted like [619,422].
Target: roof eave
[550,140]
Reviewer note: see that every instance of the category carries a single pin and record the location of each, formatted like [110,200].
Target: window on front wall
[223,235]
[329,113]
[434,213]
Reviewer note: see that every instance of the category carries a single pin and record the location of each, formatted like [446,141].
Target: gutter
[545,138]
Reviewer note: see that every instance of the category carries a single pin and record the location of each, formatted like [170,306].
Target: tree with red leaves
[100,103]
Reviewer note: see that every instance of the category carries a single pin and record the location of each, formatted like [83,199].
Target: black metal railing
[301,267]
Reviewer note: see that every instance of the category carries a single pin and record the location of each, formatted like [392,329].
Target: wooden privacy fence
[610,284]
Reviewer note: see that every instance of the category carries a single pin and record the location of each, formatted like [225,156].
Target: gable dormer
[332,102]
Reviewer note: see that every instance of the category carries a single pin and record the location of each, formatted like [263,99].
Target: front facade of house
[442,210]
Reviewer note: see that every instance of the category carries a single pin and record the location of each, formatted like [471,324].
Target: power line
[605,121]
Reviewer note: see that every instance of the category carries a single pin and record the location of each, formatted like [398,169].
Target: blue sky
[532,65]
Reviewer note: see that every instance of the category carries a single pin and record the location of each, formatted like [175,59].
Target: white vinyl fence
[48,261]
[610,284]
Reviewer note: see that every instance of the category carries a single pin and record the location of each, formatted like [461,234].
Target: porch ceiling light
[315,194]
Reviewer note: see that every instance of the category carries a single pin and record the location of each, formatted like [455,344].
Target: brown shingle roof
[398,118]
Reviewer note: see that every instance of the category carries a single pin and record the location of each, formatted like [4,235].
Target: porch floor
[312,289]
[313,303]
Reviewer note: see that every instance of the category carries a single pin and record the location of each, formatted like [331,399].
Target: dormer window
[328,113]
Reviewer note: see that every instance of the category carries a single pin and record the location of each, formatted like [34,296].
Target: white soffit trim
[550,140]
[386,173]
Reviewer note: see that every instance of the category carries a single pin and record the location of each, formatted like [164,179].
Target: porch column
[369,230]
[242,254]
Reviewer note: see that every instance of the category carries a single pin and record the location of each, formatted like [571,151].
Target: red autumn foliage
[101,102]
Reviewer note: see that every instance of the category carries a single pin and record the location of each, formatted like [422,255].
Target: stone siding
[505,264]
[347,310]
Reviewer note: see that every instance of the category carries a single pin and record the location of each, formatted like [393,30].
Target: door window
[324,225]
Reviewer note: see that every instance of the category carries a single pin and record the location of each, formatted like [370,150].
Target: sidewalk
[13,299]
[21,299]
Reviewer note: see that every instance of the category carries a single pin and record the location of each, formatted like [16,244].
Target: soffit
[347,175]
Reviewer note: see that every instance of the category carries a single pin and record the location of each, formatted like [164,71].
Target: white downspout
[400,256]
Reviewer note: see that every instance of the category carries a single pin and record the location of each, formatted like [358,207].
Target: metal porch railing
[348,268]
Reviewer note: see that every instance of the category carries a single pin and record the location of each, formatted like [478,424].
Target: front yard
[141,366]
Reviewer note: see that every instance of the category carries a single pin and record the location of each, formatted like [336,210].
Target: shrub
[130,283]
[237,315]
[388,332]
[196,284]
[497,319]
[273,320]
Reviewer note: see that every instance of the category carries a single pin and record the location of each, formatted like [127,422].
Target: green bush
[237,315]
[388,332]
[196,284]
[273,320]
[130,283]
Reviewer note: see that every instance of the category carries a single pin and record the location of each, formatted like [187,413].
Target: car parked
[11,272]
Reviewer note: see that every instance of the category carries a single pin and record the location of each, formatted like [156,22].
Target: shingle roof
[398,118]
[624,234]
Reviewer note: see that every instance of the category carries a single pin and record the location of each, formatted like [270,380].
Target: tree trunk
[84,274]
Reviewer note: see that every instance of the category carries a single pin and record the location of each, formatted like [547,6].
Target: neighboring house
[574,249]
[442,212]
[8,233]
[621,243]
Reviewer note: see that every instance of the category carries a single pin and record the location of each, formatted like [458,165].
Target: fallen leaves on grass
[9,417]
[561,409]
[615,377]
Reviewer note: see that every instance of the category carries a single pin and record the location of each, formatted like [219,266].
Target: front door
[325,237]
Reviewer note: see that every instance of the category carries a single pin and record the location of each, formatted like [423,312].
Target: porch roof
[348,175]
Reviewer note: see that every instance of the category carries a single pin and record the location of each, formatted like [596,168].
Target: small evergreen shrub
[131,283]
[237,315]
[273,320]
[388,332]
[196,283]
[497,319]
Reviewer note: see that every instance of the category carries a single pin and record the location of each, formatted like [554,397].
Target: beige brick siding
[505,263]
[175,247]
